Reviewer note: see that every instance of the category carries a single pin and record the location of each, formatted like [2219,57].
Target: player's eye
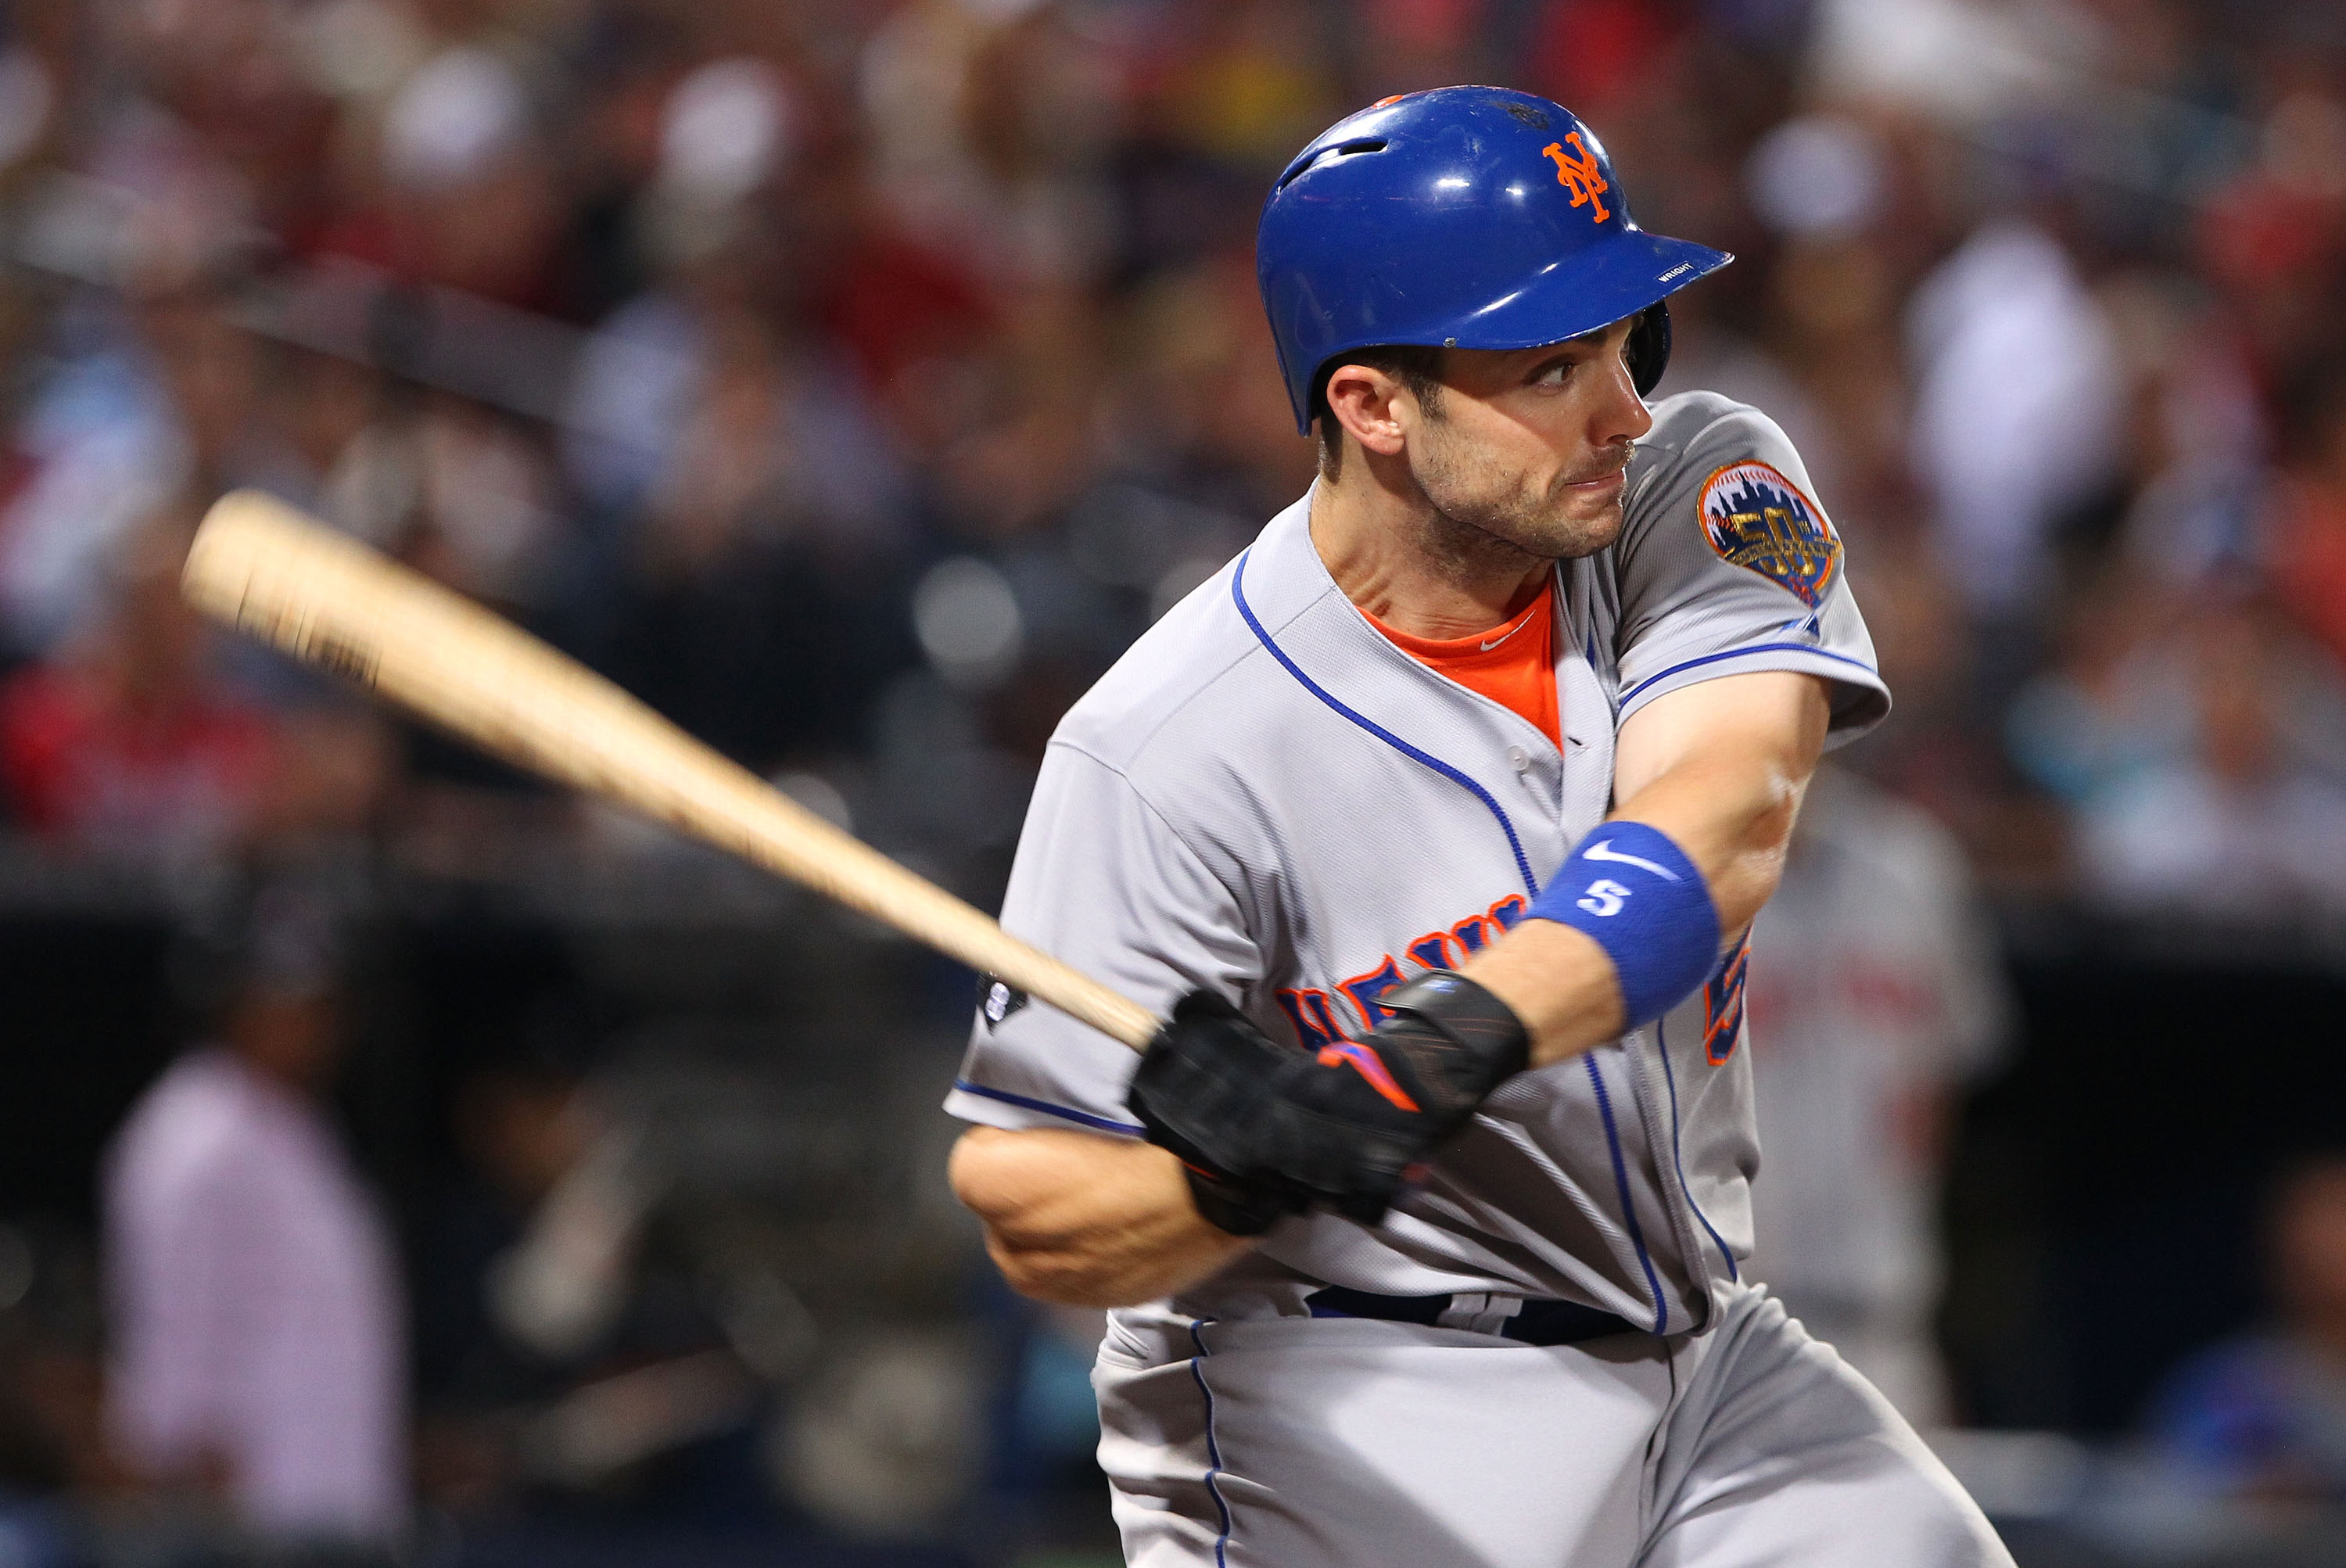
[1553,373]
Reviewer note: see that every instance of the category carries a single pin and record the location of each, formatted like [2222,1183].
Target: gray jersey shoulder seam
[1181,839]
[1253,648]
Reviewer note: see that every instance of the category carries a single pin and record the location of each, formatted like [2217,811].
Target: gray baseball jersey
[1267,797]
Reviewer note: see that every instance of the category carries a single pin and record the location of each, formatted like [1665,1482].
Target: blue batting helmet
[1464,217]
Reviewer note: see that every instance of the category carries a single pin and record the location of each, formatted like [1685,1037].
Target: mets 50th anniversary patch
[1758,519]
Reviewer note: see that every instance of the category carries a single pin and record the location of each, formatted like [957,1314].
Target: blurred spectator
[256,1308]
[1820,182]
[752,592]
[522,1125]
[2105,713]
[1246,82]
[2245,818]
[467,195]
[1596,56]
[2309,515]
[146,414]
[1959,60]
[146,735]
[1218,95]
[757,512]
[220,117]
[480,510]
[2263,1416]
[2274,238]
[1875,996]
[992,127]
[706,380]
[1195,408]
[2017,408]
[127,742]
[2197,437]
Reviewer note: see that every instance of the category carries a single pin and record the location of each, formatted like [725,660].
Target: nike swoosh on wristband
[1605,852]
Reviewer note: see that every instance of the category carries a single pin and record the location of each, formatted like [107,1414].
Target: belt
[1529,1319]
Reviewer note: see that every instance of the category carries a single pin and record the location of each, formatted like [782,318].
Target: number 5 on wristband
[1604,898]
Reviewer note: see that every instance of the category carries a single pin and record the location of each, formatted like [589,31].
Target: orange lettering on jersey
[1436,950]
[1313,1015]
[1722,1005]
[1364,989]
[1578,175]
[1473,933]
[1476,932]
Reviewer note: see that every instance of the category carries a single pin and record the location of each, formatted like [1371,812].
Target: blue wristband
[1648,907]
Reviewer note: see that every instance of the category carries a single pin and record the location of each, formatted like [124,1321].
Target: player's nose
[1623,416]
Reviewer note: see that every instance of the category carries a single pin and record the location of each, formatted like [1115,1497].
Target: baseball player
[1435,821]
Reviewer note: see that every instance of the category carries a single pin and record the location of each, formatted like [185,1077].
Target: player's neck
[1415,570]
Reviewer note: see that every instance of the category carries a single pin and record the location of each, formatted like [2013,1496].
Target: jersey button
[1519,759]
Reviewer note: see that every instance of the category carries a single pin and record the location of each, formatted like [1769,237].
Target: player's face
[1530,445]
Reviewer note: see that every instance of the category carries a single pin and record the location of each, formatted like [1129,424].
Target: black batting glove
[1205,1072]
[1344,1127]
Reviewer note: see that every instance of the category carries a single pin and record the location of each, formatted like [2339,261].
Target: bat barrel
[264,568]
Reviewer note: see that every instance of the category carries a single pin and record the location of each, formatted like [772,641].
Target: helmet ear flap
[1648,349]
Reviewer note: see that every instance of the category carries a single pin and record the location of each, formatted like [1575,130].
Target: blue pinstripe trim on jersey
[1237,593]
[1670,1077]
[1629,696]
[1081,1118]
[1628,1208]
[1213,1448]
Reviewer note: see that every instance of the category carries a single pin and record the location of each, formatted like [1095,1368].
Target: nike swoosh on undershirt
[1502,636]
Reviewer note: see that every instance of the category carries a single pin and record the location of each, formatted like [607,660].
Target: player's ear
[1366,401]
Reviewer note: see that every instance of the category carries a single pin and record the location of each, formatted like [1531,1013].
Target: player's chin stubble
[1505,516]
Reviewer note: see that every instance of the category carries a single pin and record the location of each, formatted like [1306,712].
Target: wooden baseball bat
[264,568]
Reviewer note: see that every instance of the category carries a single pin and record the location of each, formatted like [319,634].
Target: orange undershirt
[1514,664]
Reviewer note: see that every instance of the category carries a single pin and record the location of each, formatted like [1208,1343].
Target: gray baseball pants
[1346,1442]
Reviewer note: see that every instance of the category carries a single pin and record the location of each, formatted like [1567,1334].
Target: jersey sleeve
[1103,882]
[1727,564]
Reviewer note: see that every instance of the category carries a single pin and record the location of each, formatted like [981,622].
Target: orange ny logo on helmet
[1578,175]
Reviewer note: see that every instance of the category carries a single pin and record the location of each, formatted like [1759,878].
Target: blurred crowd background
[399,1162]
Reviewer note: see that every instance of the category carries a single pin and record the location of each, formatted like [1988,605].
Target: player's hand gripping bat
[266,569]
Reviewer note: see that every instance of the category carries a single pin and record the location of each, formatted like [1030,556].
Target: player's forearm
[1558,981]
[1720,767]
[1717,769]
[1733,815]
[1087,1220]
